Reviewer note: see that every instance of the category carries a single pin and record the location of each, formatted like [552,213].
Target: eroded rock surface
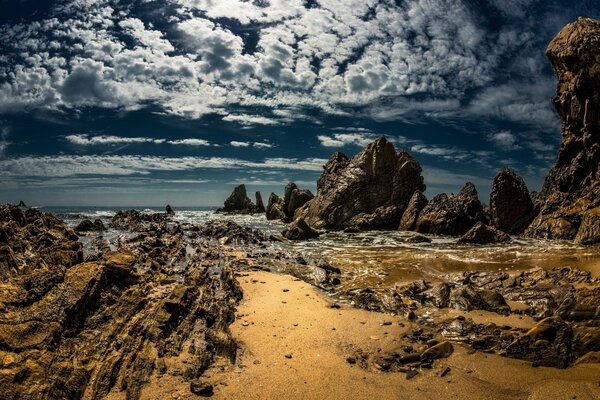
[484,234]
[452,215]
[571,204]
[238,202]
[511,207]
[370,191]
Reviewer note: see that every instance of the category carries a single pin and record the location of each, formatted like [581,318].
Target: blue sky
[147,102]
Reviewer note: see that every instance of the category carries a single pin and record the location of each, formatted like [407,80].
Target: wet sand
[294,346]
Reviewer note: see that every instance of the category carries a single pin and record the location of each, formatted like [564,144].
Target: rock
[418,239]
[299,230]
[511,207]
[416,204]
[372,189]
[484,234]
[275,208]
[22,204]
[202,389]
[440,350]
[570,201]
[298,198]
[451,215]
[468,299]
[260,206]
[233,232]
[239,203]
[88,226]
[136,221]
[169,210]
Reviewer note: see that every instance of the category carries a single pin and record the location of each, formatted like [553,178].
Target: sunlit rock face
[369,191]
[571,209]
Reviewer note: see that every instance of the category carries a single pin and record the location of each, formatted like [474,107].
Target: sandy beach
[294,345]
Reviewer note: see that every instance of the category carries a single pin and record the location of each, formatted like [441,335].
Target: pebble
[289,355]
[286,290]
[411,373]
[202,389]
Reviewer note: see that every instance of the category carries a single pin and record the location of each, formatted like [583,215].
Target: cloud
[348,136]
[88,140]
[236,143]
[245,119]
[263,145]
[4,143]
[190,142]
[505,140]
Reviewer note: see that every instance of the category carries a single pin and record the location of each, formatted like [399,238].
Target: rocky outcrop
[484,234]
[238,202]
[452,215]
[299,230]
[90,226]
[260,206]
[416,204]
[298,198]
[511,207]
[169,210]
[571,203]
[275,208]
[370,191]
[137,221]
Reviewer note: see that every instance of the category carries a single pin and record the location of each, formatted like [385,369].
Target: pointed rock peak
[468,190]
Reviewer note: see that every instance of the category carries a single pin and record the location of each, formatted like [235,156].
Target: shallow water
[385,258]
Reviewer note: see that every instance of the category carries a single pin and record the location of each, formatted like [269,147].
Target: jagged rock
[570,191]
[416,204]
[451,215]
[22,204]
[297,199]
[169,210]
[374,185]
[90,226]
[230,232]
[275,208]
[467,299]
[299,230]
[137,221]
[511,207]
[418,239]
[260,206]
[484,234]
[239,203]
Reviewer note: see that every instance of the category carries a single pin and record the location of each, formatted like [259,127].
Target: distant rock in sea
[570,204]
[239,202]
[369,191]
[169,210]
[285,208]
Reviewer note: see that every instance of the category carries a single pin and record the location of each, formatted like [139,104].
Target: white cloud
[505,140]
[88,140]
[347,136]
[190,142]
[236,143]
[263,145]
[4,143]
[245,119]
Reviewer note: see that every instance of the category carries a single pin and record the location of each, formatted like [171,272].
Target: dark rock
[275,208]
[90,226]
[169,210]
[452,215]
[511,207]
[202,389]
[239,203]
[570,193]
[136,221]
[299,230]
[260,206]
[418,239]
[484,234]
[468,299]
[22,204]
[416,204]
[411,373]
[298,198]
[230,232]
[371,190]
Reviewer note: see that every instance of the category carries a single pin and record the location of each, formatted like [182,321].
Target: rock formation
[285,208]
[238,202]
[416,204]
[511,207]
[275,208]
[484,234]
[571,205]
[370,191]
[90,226]
[169,210]
[452,215]
[260,206]
[299,230]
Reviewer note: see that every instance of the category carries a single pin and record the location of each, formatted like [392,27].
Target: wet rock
[202,389]
[230,231]
[22,204]
[275,208]
[440,350]
[570,201]
[370,190]
[298,198]
[409,218]
[169,210]
[239,203]
[548,344]
[511,207]
[451,215]
[136,221]
[90,226]
[299,230]
[468,299]
[418,239]
[484,234]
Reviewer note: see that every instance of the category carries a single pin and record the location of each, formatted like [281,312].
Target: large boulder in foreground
[571,205]
[452,215]
[511,207]
[369,191]
[238,202]
[484,234]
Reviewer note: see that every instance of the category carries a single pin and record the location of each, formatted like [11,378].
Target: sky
[148,102]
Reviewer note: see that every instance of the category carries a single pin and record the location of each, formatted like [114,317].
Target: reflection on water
[385,258]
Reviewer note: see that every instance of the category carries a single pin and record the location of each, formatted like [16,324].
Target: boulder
[371,190]
[416,204]
[484,234]
[90,226]
[298,198]
[238,202]
[299,230]
[570,192]
[452,215]
[275,208]
[511,207]
[169,210]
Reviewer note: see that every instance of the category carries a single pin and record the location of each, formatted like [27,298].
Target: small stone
[374,338]
[256,362]
[289,355]
[286,290]
[202,389]
[334,306]
[411,373]
[351,360]
[245,323]
[445,371]
[386,323]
